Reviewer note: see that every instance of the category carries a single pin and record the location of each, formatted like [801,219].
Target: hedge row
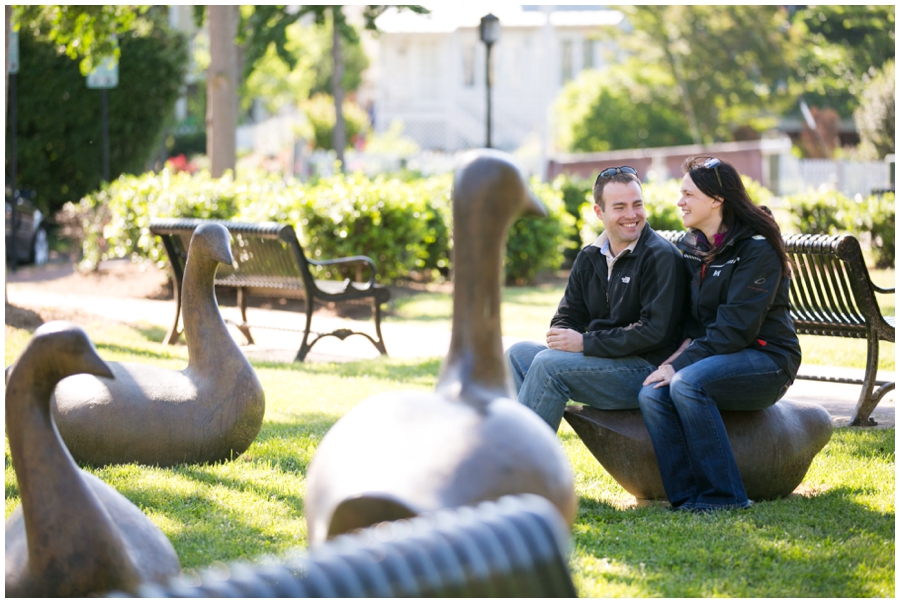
[405,225]
[831,212]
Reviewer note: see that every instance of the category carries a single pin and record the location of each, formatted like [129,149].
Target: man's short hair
[600,183]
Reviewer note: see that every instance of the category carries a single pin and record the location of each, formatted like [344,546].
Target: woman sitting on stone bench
[740,350]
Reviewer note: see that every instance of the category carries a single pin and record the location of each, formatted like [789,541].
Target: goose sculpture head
[211,411]
[400,454]
[73,535]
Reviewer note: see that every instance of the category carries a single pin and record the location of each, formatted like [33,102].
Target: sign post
[13,60]
[104,77]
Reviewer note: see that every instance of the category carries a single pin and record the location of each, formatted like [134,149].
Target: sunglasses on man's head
[712,164]
[609,172]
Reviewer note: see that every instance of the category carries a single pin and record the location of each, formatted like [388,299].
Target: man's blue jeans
[695,457]
[547,379]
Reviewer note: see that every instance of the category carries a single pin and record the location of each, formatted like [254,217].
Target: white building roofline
[447,18]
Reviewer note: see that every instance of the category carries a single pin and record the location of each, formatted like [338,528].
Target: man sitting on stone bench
[620,316]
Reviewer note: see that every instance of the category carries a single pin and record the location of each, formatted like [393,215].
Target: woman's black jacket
[739,300]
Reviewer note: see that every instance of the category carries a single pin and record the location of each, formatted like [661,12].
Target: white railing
[849,177]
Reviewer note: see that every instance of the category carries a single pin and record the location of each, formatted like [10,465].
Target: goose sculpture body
[73,535]
[211,411]
[399,454]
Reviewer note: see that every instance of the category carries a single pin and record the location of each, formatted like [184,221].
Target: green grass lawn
[836,540]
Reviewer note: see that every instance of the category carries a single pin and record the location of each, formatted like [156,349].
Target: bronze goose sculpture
[211,411]
[73,535]
[396,455]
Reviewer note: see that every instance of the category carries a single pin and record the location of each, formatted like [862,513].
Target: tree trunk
[221,89]
[339,134]
[5,108]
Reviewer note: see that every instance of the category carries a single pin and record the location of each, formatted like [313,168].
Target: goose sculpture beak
[217,242]
[534,206]
[92,364]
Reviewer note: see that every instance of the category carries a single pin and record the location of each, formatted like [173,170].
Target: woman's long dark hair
[739,213]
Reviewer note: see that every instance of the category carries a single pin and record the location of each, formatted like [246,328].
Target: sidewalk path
[274,343]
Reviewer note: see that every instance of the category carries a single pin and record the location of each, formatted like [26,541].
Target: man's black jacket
[739,300]
[638,312]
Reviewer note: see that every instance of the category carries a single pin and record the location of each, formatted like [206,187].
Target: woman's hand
[661,376]
[566,340]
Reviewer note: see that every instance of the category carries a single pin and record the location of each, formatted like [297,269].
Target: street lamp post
[490,33]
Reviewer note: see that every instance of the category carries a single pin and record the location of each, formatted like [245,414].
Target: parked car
[26,233]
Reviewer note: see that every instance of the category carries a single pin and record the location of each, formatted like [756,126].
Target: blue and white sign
[104,75]
[13,56]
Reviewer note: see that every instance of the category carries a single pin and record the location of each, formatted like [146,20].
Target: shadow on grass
[152,334]
[400,370]
[141,352]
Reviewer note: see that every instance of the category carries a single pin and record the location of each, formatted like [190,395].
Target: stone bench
[773,447]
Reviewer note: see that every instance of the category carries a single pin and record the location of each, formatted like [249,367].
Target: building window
[567,61]
[469,65]
[429,72]
[588,60]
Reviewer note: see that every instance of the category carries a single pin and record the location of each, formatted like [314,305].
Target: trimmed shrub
[878,219]
[536,245]
[575,192]
[404,225]
[822,211]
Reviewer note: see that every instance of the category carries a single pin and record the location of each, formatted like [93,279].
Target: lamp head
[490,29]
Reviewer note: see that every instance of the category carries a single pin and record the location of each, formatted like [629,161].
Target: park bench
[269,262]
[833,295]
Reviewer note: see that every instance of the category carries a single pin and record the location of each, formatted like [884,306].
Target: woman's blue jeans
[695,457]
[547,379]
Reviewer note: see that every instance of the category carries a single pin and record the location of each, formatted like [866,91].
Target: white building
[430,71]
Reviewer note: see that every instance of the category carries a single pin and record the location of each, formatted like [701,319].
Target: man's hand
[684,345]
[661,376]
[565,340]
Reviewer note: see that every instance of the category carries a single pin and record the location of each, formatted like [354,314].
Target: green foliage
[731,62]
[623,106]
[82,32]
[830,212]
[58,123]
[660,198]
[879,220]
[843,47]
[320,111]
[391,221]
[875,115]
[404,225]
[115,221]
[391,142]
[576,193]
[536,245]
[821,211]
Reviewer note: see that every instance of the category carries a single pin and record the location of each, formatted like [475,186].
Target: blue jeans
[695,457]
[547,379]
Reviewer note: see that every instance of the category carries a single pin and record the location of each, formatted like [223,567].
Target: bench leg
[379,344]
[174,333]
[869,399]
[305,345]
[242,304]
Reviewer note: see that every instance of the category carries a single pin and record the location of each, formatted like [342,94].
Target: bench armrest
[351,260]
[882,289]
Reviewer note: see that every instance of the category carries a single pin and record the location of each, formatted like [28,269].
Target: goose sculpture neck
[205,332]
[488,194]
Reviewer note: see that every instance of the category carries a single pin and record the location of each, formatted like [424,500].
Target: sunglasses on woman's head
[609,172]
[712,164]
